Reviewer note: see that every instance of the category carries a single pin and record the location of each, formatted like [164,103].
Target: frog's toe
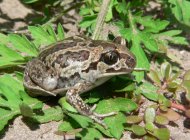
[105,115]
[101,115]
[99,118]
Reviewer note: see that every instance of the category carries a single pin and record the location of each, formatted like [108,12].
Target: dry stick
[100,20]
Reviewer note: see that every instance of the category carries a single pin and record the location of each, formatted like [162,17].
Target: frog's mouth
[117,72]
[112,72]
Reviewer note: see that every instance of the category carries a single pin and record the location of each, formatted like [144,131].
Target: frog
[74,66]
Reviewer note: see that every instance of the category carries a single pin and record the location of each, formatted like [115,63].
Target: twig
[100,20]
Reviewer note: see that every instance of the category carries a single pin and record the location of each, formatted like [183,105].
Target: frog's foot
[98,120]
[99,117]
[74,99]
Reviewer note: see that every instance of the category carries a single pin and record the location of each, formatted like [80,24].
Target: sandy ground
[13,15]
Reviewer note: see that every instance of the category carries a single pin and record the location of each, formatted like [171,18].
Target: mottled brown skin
[74,66]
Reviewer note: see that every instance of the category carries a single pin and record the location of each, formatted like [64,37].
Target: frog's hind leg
[32,80]
[45,77]
[75,100]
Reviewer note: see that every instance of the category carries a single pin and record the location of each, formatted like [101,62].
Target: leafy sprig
[17,49]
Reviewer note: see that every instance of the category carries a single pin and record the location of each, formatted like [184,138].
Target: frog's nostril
[130,62]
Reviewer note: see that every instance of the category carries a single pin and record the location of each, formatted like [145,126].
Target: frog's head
[115,59]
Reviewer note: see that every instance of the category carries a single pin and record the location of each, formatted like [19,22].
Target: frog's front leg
[76,101]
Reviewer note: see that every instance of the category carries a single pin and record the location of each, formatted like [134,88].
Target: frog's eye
[110,58]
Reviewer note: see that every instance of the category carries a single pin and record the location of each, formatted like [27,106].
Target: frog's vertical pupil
[110,58]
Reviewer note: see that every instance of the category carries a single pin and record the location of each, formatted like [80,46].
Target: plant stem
[101,18]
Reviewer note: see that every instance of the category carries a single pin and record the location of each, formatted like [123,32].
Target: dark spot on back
[63,59]
[55,48]
[92,66]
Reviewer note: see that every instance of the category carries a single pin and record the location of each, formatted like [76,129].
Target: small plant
[166,79]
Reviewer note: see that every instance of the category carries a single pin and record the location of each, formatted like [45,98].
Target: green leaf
[153,75]
[51,32]
[17,51]
[142,61]
[109,14]
[29,1]
[83,121]
[130,87]
[68,125]
[161,120]
[171,33]
[149,137]
[88,21]
[65,105]
[186,86]
[84,11]
[116,123]
[11,99]
[180,10]
[19,75]
[126,33]
[8,57]
[50,114]
[149,91]
[26,110]
[122,7]
[162,133]
[138,130]
[40,35]
[150,127]
[115,105]
[149,42]
[95,96]
[89,134]
[7,115]
[166,70]
[22,44]
[134,119]
[60,32]
[4,39]
[34,103]
[152,25]
[187,75]
[149,115]
[171,36]
[173,85]
[103,130]
[124,104]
